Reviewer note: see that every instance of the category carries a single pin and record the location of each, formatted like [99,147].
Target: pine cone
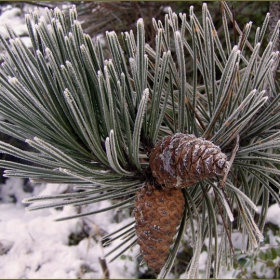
[182,160]
[157,214]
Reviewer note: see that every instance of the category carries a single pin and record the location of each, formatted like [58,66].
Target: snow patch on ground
[273,215]
[11,17]
[34,246]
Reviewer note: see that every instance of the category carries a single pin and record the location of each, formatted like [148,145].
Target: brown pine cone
[157,214]
[181,160]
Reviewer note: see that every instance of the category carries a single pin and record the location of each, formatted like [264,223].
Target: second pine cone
[157,213]
[181,160]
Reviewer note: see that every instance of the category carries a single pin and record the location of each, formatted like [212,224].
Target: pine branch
[104,124]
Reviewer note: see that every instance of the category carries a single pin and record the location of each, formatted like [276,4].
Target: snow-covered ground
[33,246]
[12,18]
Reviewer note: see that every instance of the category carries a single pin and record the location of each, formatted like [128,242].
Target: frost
[209,163]
[198,167]
[179,181]
[166,158]
[221,163]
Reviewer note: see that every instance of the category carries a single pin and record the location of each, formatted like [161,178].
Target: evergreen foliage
[92,122]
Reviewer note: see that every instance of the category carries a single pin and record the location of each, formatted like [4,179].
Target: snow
[273,215]
[34,246]
[11,17]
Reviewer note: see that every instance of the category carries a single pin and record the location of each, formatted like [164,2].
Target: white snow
[34,246]
[11,17]
[273,214]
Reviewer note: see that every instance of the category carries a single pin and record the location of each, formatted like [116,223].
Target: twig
[232,157]
[103,263]
[227,9]
[224,222]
